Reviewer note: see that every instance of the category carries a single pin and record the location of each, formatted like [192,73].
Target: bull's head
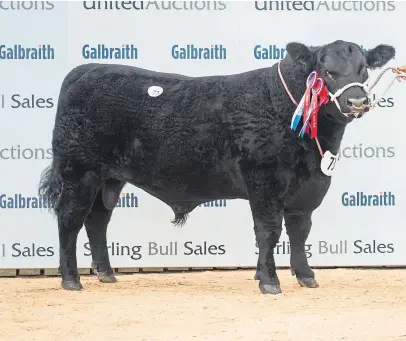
[341,64]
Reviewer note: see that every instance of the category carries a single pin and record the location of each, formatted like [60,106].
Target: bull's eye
[328,74]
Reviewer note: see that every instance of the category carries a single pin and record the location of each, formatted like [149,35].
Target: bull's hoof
[72,285]
[307,282]
[105,277]
[271,289]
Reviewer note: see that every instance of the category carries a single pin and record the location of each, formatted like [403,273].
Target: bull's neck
[330,132]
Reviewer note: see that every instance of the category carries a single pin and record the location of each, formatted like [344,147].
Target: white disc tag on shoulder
[328,163]
[155,91]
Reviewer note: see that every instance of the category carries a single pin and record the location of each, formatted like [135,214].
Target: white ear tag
[328,163]
[155,91]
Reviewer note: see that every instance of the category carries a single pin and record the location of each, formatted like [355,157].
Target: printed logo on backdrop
[22,250]
[215,204]
[342,247]
[269,52]
[155,5]
[24,52]
[135,252]
[193,52]
[275,52]
[102,51]
[26,6]
[18,152]
[362,199]
[25,101]
[12,201]
[326,6]
[130,51]
[126,200]
[362,152]
[188,248]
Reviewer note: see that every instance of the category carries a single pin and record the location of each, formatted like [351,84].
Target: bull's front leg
[298,228]
[267,233]
[266,196]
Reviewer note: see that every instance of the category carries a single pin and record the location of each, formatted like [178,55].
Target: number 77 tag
[328,163]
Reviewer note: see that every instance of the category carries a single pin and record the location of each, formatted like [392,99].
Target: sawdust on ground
[351,305]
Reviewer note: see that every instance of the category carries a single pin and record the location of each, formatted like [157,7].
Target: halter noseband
[339,92]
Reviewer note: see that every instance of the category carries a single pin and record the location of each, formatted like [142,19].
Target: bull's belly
[199,190]
[186,187]
[174,179]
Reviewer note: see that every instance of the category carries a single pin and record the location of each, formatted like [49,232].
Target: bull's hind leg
[96,227]
[298,229]
[75,204]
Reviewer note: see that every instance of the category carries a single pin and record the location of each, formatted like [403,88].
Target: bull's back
[108,112]
[101,89]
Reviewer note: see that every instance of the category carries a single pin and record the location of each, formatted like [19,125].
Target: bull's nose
[357,102]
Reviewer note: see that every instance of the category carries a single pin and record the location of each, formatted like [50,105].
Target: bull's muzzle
[358,106]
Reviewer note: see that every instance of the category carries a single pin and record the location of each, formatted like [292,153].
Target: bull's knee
[267,237]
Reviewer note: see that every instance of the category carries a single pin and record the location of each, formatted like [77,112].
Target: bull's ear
[379,56]
[300,53]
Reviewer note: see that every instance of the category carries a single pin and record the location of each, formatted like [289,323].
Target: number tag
[155,91]
[328,163]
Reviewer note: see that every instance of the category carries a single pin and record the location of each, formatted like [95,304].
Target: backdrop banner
[360,222]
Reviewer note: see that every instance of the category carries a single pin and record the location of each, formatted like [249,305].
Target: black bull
[201,139]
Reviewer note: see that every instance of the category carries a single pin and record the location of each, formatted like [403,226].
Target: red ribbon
[306,103]
[313,120]
[323,99]
[317,100]
[306,106]
[323,96]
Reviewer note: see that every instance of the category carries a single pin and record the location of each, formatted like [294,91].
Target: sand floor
[351,305]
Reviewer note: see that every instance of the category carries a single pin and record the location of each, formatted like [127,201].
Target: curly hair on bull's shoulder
[189,140]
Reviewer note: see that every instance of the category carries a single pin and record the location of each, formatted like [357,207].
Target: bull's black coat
[202,139]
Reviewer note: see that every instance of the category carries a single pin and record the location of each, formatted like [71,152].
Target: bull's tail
[50,186]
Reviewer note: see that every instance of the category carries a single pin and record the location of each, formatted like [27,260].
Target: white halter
[339,92]
[368,89]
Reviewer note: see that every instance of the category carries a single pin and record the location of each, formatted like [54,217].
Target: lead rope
[399,75]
